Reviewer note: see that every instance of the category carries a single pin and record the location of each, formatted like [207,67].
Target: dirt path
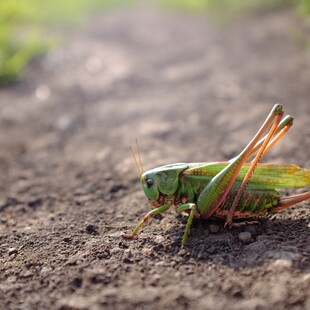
[68,188]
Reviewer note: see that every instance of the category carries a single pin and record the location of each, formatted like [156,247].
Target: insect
[238,189]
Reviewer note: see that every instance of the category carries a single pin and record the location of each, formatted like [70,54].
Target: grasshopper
[238,189]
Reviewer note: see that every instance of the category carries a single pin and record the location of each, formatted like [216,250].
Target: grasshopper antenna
[139,155]
[136,162]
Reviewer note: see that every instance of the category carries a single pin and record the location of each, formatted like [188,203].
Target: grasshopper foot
[228,223]
[128,236]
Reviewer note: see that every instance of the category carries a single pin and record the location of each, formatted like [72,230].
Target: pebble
[116,188]
[252,304]
[2,205]
[252,229]
[66,239]
[12,279]
[76,282]
[12,251]
[28,274]
[91,229]
[282,263]
[262,238]
[156,278]
[35,202]
[245,237]
[282,260]
[182,252]
[146,251]
[306,277]
[159,239]
[255,247]
[46,270]
[115,250]
[214,228]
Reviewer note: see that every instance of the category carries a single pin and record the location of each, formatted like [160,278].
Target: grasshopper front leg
[149,215]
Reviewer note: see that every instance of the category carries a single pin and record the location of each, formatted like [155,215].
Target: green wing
[265,176]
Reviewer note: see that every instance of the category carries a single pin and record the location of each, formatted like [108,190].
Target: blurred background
[26,26]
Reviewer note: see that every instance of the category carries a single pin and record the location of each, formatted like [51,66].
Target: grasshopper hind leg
[286,202]
[275,133]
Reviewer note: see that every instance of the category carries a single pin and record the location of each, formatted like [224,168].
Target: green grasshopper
[237,189]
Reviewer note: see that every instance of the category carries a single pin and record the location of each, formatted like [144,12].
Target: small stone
[12,251]
[35,202]
[262,238]
[127,260]
[267,224]
[155,279]
[214,228]
[2,205]
[282,263]
[66,239]
[28,274]
[159,239]
[76,282]
[91,229]
[252,304]
[257,247]
[147,251]
[284,255]
[12,279]
[115,250]
[182,252]
[245,237]
[72,261]
[306,277]
[116,188]
[252,229]
[46,270]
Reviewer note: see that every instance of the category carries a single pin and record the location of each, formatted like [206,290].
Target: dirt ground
[189,92]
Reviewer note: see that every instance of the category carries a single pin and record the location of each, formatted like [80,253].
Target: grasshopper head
[161,182]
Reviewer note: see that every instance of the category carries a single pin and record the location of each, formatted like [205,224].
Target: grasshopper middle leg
[185,207]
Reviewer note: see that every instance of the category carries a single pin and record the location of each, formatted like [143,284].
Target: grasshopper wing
[265,176]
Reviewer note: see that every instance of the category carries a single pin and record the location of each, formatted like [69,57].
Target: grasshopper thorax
[162,182]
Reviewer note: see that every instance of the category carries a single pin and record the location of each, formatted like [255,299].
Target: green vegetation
[22,24]
[227,9]
[304,7]
[223,10]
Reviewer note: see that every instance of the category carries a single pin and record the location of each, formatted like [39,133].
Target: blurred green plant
[22,24]
[223,10]
[304,7]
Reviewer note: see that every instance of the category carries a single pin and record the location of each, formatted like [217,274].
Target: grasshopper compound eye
[149,183]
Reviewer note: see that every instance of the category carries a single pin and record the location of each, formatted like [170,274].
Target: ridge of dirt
[190,92]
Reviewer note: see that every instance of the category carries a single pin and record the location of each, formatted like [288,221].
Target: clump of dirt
[190,92]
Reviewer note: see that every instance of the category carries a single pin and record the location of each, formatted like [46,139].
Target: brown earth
[189,92]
